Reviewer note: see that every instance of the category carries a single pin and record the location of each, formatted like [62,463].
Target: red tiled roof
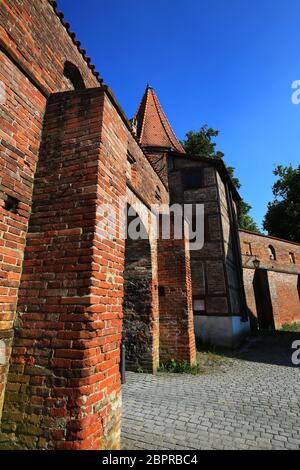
[153,127]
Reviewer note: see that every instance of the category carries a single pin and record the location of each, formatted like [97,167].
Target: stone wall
[272,290]
[137,307]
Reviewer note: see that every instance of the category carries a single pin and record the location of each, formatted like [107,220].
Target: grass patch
[211,358]
[180,367]
[290,327]
[206,361]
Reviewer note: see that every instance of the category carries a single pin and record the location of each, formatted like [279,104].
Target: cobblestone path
[251,403]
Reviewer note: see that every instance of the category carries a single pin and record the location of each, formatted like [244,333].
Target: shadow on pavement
[268,347]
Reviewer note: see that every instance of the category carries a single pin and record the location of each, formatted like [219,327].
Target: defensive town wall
[271,268]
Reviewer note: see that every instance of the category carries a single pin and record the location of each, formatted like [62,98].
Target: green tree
[283,215]
[201,143]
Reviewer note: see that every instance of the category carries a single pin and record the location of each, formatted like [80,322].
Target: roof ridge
[144,121]
[164,120]
[259,234]
[77,43]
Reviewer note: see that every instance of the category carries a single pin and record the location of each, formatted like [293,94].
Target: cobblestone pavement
[251,403]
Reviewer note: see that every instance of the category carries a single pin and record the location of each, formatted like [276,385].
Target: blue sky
[227,63]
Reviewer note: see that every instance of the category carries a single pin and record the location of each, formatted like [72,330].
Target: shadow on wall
[263,300]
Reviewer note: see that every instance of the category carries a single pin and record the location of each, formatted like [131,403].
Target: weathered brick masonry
[33,53]
[67,149]
[273,289]
[20,129]
[63,388]
[177,338]
[63,381]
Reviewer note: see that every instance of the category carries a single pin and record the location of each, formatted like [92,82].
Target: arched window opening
[272,253]
[248,248]
[74,77]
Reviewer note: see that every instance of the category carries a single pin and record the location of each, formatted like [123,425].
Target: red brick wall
[65,357]
[259,248]
[34,46]
[176,326]
[62,369]
[285,297]
[146,181]
[283,276]
[64,377]
[34,36]
[20,129]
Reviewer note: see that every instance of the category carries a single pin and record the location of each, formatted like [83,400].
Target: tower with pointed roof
[153,127]
[155,133]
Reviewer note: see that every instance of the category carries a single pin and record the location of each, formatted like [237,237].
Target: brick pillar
[21,117]
[63,389]
[176,327]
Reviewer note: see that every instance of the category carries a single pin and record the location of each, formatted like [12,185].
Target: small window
[248,248]
[11,204]
[198,306]
[192,179]
[292,257]
[158,193]
[171,164]
[272,253]
[73,75]
[130,165]
[161,291]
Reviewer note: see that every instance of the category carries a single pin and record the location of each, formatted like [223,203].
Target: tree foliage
[201,143]
[283,215]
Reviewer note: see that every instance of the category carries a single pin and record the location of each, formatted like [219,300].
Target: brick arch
[272,253]
[73,76]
